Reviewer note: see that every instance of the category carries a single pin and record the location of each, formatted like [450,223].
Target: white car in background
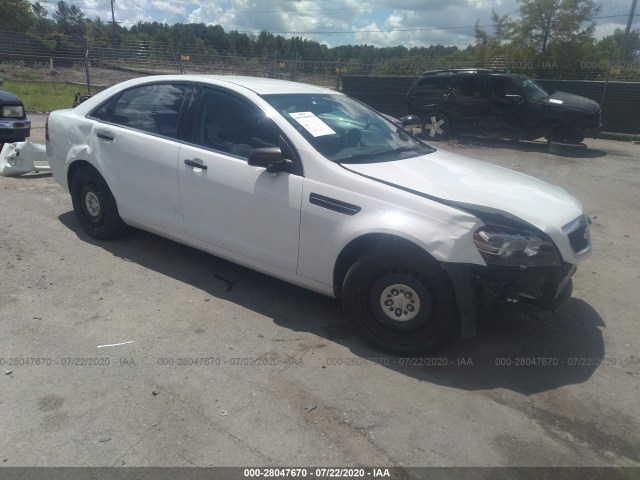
[310,186]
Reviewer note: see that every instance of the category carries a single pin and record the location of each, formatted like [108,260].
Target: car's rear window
[151,108]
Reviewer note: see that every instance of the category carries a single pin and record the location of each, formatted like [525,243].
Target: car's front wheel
[436,126]
[402,304]
[94,205]
[565,135]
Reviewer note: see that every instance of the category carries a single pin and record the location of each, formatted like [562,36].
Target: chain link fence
[380,83]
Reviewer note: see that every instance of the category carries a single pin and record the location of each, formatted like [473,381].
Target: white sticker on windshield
[312,124]
[553,100]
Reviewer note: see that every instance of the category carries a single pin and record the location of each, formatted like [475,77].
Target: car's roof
[9,98]
[261,86]
[471,71]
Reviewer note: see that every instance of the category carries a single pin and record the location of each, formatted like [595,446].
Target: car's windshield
[344,130]
[534,91]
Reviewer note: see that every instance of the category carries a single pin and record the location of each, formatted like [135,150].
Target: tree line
[547,38]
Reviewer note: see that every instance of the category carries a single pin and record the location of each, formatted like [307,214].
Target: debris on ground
[21,157]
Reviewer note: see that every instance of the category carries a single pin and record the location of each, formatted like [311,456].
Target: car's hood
[460,180]
[573,102]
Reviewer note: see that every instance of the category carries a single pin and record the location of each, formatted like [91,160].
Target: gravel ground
[317,395]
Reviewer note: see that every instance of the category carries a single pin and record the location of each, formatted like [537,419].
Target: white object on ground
[115,344]
[20,157]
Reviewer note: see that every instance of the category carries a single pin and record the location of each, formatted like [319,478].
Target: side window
[433,86]
[502,88]
[151,108]
[469,86]
[226,123]
[512,88]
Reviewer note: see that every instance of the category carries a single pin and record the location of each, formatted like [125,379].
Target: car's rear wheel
[402,304]
[94,205]
[436,126]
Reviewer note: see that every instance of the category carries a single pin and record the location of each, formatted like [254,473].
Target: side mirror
[270,158]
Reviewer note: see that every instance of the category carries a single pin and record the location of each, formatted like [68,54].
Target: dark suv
[495,104]
[14,124]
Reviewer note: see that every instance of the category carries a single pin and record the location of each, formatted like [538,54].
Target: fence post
[604,92]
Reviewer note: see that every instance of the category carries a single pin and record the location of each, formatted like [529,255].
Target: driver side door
[254,217]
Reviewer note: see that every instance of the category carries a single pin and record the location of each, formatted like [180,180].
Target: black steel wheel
[402,304]
[94,205]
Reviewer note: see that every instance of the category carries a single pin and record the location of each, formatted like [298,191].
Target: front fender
[443,232]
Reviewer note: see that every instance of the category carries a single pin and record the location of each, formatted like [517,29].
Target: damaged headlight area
[503,247]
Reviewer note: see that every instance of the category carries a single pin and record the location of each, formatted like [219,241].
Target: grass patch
[45,96]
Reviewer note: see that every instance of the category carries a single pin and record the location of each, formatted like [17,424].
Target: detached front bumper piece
[22,157]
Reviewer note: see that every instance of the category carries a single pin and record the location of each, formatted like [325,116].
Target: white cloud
[606,29]
[375,22]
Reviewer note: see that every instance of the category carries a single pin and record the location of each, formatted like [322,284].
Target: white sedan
[310,186]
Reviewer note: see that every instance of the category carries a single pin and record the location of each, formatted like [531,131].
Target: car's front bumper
[593,126]
[541,286]
[593,132]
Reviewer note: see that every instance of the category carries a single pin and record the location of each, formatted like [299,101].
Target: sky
[412,23]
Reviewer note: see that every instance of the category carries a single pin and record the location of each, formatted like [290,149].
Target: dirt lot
[317,395]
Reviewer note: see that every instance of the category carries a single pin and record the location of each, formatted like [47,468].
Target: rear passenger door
[467,100]
[137,135]
[427,94]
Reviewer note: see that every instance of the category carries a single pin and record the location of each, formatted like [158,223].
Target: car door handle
[104,136]
[191,163]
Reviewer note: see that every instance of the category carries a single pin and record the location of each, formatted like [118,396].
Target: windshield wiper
[369,156]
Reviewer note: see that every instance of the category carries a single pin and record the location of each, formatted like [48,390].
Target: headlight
[12,111]
[513,249]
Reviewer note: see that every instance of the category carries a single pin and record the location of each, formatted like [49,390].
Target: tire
[565,135]
[436,126]
[402,304]
[567,149]
[94,205]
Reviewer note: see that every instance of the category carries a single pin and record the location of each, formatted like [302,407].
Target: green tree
[546,25]
[608,48]
[69,19]
[17,15]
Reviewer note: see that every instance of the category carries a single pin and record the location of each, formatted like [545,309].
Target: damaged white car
[312,187]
